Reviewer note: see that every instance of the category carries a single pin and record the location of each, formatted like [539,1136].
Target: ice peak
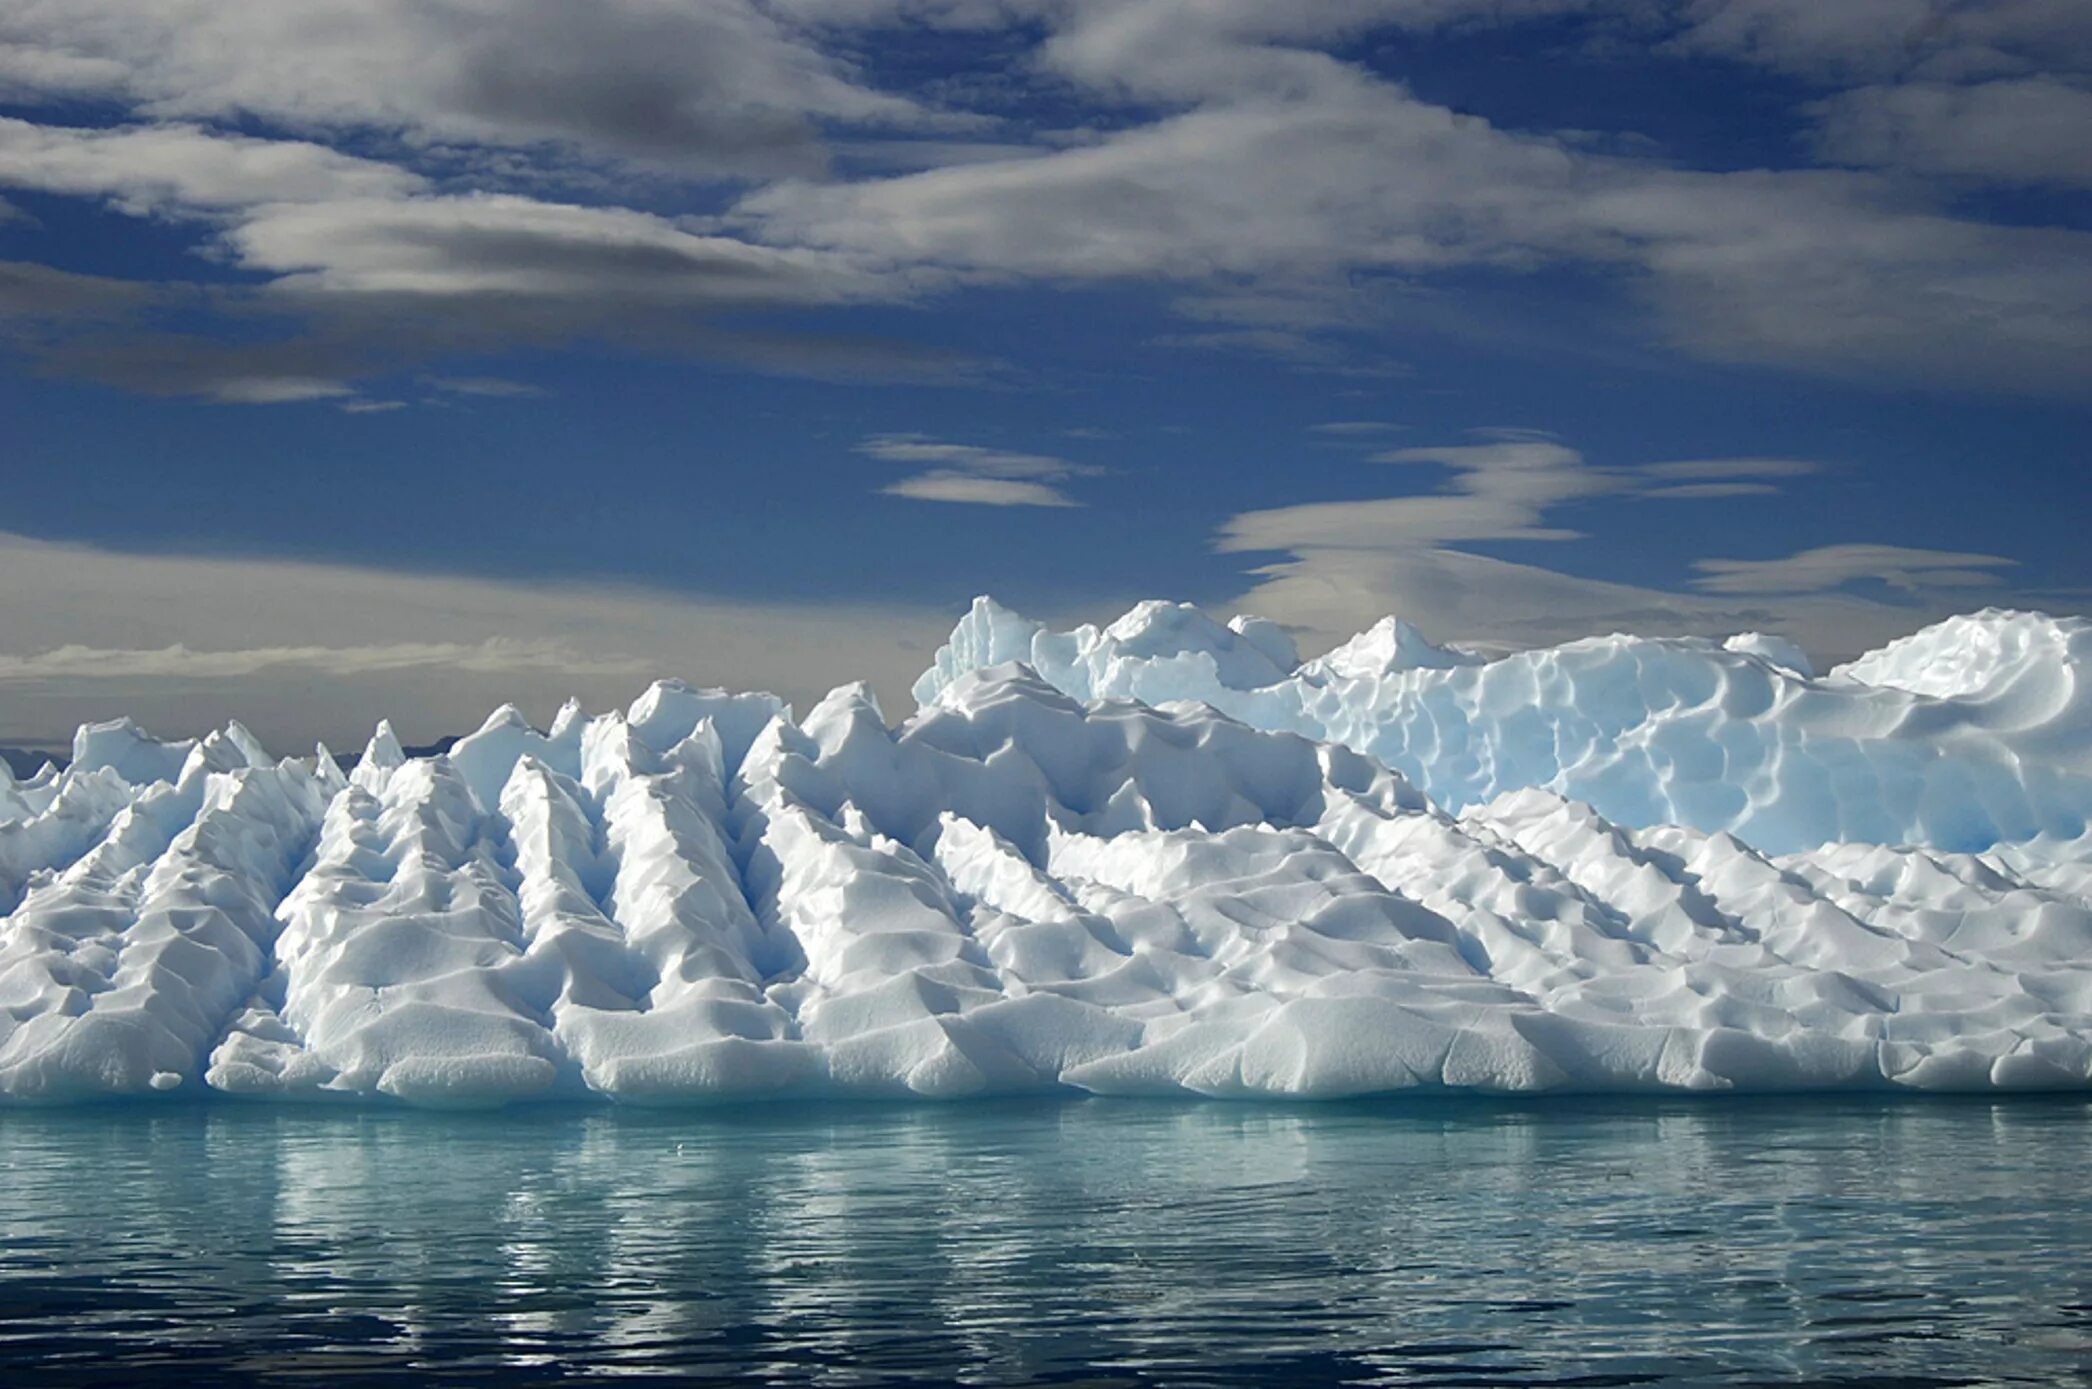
[129,751]
[1774,649]
[1389,647]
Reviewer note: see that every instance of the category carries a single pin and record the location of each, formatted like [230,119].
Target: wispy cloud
[1834,566]
[970,474]
[1506,488]
[1352,429]
[1710,479]
[1348,562]
[1720,469]
[490,387]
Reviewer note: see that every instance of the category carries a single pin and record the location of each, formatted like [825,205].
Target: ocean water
[1089,1243]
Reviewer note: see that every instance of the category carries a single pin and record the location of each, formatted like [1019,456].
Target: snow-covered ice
[1973,732]
[1620,864]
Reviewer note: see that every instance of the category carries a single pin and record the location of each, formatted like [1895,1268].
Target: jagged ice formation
[1620,864]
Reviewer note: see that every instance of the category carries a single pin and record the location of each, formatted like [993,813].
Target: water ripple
[1065,1243]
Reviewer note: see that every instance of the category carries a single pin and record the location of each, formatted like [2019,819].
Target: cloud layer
[301,651]
[436,182]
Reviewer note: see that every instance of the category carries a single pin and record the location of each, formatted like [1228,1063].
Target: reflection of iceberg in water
[1012,1243]
[706,898]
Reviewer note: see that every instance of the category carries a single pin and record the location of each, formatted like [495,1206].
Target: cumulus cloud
[971,474]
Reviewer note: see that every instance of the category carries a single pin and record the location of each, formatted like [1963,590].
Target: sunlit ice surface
[1163,858]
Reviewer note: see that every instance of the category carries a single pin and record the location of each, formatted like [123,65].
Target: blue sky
[372,357]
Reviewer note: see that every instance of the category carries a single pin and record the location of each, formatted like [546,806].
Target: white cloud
[279,390]
[1504,489]
[1275,186]
[1284,193]
[940,485]
[719,89]
[492,244]
[2033,130]
[1498,491]
[1361,176]
[184,169]
[365,271]
[1834,566]
[1943,38]
[972,474]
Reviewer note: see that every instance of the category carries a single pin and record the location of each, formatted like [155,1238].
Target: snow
[1969,734]
[1035,883]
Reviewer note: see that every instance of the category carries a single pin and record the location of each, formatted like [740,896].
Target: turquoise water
[1080,1242]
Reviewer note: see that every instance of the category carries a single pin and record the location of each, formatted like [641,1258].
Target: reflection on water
[1056,1242]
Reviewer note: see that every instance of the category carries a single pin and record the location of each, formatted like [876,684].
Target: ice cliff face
[1971,733]
[704,898]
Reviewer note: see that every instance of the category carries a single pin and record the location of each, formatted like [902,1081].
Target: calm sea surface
[1083,1242]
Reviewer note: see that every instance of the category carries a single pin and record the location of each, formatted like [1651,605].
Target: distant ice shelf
[1164,857]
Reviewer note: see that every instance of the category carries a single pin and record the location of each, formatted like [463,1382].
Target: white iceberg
[1019,889]
[1973,732]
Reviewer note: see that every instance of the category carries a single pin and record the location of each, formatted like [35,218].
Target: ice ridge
[703,898]
[1972,733]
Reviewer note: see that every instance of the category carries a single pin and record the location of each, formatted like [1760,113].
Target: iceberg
[1161,858]
[1974,732]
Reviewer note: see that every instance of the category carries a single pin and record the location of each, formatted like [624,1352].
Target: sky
[403,357]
